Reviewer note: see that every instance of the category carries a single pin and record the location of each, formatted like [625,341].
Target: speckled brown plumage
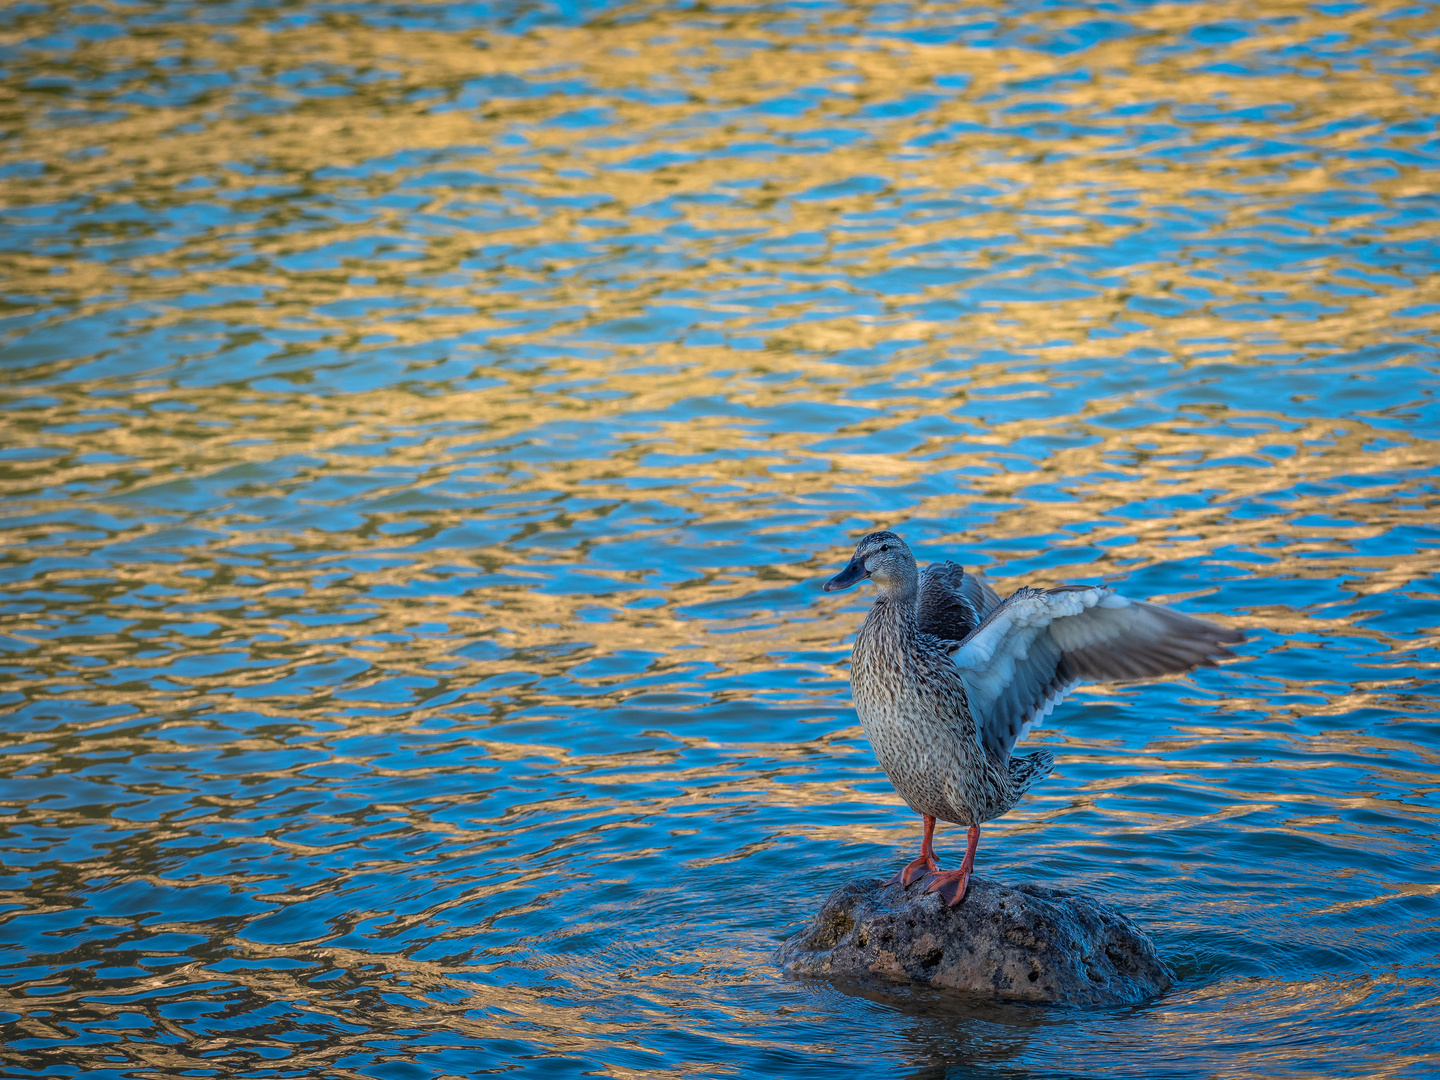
[913,707]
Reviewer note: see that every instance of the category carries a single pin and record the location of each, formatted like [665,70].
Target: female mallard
[947,677]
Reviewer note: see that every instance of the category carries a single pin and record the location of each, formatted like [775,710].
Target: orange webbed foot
[950,884]
[912,873]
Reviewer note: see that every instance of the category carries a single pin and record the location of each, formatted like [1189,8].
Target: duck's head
[883,558]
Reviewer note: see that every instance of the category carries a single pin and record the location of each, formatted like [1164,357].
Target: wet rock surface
[1012,943]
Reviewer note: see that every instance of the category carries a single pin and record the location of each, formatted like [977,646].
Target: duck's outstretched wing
[952,603]
[1035,646]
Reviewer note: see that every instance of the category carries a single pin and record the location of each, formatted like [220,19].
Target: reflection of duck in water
[947,677]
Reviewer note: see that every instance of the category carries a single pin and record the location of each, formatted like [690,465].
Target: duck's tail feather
[1028,768]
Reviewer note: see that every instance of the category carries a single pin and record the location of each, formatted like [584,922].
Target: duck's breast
[913,713]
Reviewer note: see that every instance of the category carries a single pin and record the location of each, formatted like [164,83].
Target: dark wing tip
[1224,636]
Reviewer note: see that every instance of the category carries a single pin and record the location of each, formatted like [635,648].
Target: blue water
[426,429]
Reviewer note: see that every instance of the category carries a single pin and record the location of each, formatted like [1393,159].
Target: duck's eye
[884,547]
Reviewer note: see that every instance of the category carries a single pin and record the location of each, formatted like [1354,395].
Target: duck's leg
[925,864]
[950,884]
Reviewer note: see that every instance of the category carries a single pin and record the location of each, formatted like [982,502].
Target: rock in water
[1021,943]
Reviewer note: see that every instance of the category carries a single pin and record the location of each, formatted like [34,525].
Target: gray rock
[1020,943]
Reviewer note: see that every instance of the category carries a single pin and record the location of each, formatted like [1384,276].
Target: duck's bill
[849,576]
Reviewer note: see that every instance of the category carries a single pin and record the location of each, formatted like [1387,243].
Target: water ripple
[426,427]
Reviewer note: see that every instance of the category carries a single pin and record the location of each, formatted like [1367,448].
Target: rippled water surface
[426,428]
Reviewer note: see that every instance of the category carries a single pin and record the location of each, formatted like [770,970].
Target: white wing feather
[1036,646]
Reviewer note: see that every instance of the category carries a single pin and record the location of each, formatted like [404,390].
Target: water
[427,428]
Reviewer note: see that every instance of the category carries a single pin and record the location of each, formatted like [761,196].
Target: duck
[947,678]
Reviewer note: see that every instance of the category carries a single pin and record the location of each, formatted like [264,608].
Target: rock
[1012,943]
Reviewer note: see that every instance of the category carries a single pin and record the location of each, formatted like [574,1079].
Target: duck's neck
[898,603]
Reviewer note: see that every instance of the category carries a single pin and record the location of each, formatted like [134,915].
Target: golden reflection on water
[598,342]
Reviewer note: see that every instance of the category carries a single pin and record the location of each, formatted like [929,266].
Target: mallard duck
[947,678]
